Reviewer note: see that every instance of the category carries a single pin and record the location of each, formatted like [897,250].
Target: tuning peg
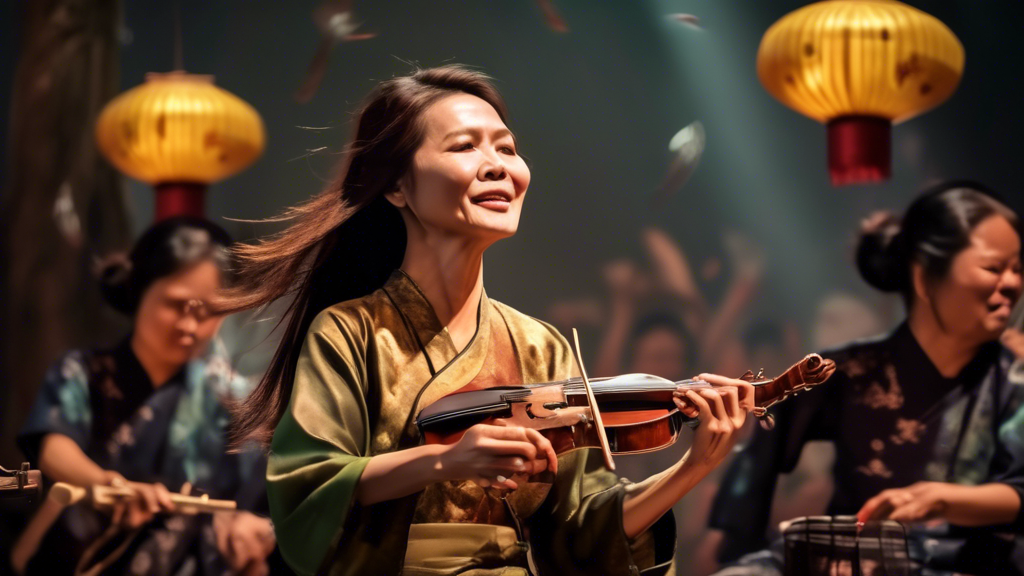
[767,422]
[760,374]
[748,376]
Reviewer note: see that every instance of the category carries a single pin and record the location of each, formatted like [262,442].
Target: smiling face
[467,178]
[975,298]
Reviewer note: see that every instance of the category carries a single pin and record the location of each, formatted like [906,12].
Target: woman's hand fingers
[221,530]
[241,549]
[544,448]
[717,405]
[491,455]
[516,440]
[703,409]
[911,512]
[148,497]
[878,507]
[685,407]
[163,497]
[137,514]
[730,397]
[744,389]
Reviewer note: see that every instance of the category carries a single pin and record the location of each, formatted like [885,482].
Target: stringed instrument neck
[645,387]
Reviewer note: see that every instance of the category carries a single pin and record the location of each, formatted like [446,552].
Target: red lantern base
[859,149]
[180,199]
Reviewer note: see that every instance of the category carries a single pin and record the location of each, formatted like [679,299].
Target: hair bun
[115,276]
[880,260]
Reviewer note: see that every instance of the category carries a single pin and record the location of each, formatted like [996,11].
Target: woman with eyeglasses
[150,414]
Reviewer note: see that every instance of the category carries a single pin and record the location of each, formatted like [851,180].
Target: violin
[628,414]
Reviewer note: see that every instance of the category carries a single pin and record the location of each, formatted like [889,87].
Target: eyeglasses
[196,308]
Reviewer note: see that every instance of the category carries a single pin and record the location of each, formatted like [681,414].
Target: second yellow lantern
[180,133]
[859,66]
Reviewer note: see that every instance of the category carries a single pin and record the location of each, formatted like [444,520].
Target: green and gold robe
[367,367]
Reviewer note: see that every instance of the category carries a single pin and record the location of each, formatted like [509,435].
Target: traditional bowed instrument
[62,495]
[627,414]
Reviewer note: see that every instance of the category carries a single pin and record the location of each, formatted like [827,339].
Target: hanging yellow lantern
[180,133]
[860,66]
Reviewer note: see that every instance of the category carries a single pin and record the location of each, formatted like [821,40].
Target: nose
[492,168]
[1010,284]
[188,324]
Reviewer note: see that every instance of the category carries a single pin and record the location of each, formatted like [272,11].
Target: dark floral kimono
[368,366]
[894,420]
[173,434]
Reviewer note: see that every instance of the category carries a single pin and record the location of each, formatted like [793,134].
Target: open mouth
[497,200]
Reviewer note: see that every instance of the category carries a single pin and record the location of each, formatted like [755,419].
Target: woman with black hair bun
[150,414]
[928,427]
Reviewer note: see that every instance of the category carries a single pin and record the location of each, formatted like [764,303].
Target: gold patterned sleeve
[320,449]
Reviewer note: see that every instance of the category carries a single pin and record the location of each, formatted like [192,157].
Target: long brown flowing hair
[345,241]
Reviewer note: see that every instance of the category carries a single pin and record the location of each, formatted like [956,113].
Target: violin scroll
[803,375]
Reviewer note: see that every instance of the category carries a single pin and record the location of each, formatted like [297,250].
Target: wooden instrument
[105,497]
[20,490]
[627,414]
[62,495]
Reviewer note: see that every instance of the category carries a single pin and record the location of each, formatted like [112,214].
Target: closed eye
[462,147]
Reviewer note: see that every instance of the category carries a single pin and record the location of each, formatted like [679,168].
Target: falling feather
[552,17]
[689,20]
[336,22]
[687,147]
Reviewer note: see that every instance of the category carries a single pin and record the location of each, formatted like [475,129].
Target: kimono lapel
[450,369]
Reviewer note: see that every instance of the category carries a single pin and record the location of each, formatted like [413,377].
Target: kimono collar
[130,374]
[422,321]
[910,355]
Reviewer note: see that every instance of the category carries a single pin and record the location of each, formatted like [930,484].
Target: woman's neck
[947,352]
[159,372]
[450,274]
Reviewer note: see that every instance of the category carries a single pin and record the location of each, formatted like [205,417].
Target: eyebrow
[504,131]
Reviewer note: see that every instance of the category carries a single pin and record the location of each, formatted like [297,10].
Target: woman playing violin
[390,314]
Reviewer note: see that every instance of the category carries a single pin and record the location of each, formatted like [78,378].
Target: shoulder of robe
[71,368]
[354,319]
[861,357]
[544,352]
[533,330]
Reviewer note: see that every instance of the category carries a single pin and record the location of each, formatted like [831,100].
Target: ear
[397,195]
[920,283]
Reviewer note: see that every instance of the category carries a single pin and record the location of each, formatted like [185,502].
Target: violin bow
[605,449]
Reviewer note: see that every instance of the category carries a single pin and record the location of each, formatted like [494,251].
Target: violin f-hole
[551,407]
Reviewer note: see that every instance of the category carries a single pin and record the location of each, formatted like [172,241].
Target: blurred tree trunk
[62,204]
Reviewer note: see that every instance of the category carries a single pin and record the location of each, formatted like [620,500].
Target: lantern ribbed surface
[179,127]
[877,58]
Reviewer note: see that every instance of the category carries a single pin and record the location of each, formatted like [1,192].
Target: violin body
[635,411]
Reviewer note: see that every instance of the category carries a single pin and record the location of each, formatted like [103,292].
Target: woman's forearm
[62,460]
[651,499]
[397,474]
[985,505]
